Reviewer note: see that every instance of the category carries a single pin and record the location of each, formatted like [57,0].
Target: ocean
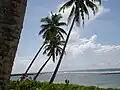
[94,77]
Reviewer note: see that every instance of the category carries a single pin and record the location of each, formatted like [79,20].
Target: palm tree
[12,14]
[50,27]
[79,9]
[53,49]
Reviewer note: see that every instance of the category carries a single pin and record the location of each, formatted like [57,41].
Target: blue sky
[106,26]
[101,34]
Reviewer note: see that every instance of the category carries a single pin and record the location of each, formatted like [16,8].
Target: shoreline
[109,73]
[99,71]
[28,74]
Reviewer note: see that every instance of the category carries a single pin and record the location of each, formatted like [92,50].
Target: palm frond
[77,16]
[49,53]
[71,14]
[58,52]
[62,30]
[60,34]
[61,43]
[91,5]
[61,24]
[57,17]
[42,31]
[66,5]
[46,20]
[44,52]
[61,50]
[53,57]
[84,8]
[45,26]
[48,47]
[45,35]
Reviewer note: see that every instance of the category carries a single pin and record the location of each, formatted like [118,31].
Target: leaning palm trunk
[41,68]
[60,59]
[12,14]
[24,75]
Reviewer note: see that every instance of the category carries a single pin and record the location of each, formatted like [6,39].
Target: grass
[36,85]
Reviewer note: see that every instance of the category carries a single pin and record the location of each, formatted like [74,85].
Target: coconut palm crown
[80,8]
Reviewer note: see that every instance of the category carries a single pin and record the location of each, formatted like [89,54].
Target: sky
[95,46]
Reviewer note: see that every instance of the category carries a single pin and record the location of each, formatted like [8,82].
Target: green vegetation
[36,85]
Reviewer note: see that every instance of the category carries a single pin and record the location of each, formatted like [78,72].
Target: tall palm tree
[51,27]
[12,14]
[53,49]
[79,9]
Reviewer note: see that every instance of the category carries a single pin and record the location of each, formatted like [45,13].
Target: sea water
[87,78]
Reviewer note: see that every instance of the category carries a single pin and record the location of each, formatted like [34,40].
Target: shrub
[36,85]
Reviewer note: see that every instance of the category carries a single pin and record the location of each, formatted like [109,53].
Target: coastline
[101,73]
[110,73]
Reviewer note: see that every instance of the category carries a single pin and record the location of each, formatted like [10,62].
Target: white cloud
[91,54]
